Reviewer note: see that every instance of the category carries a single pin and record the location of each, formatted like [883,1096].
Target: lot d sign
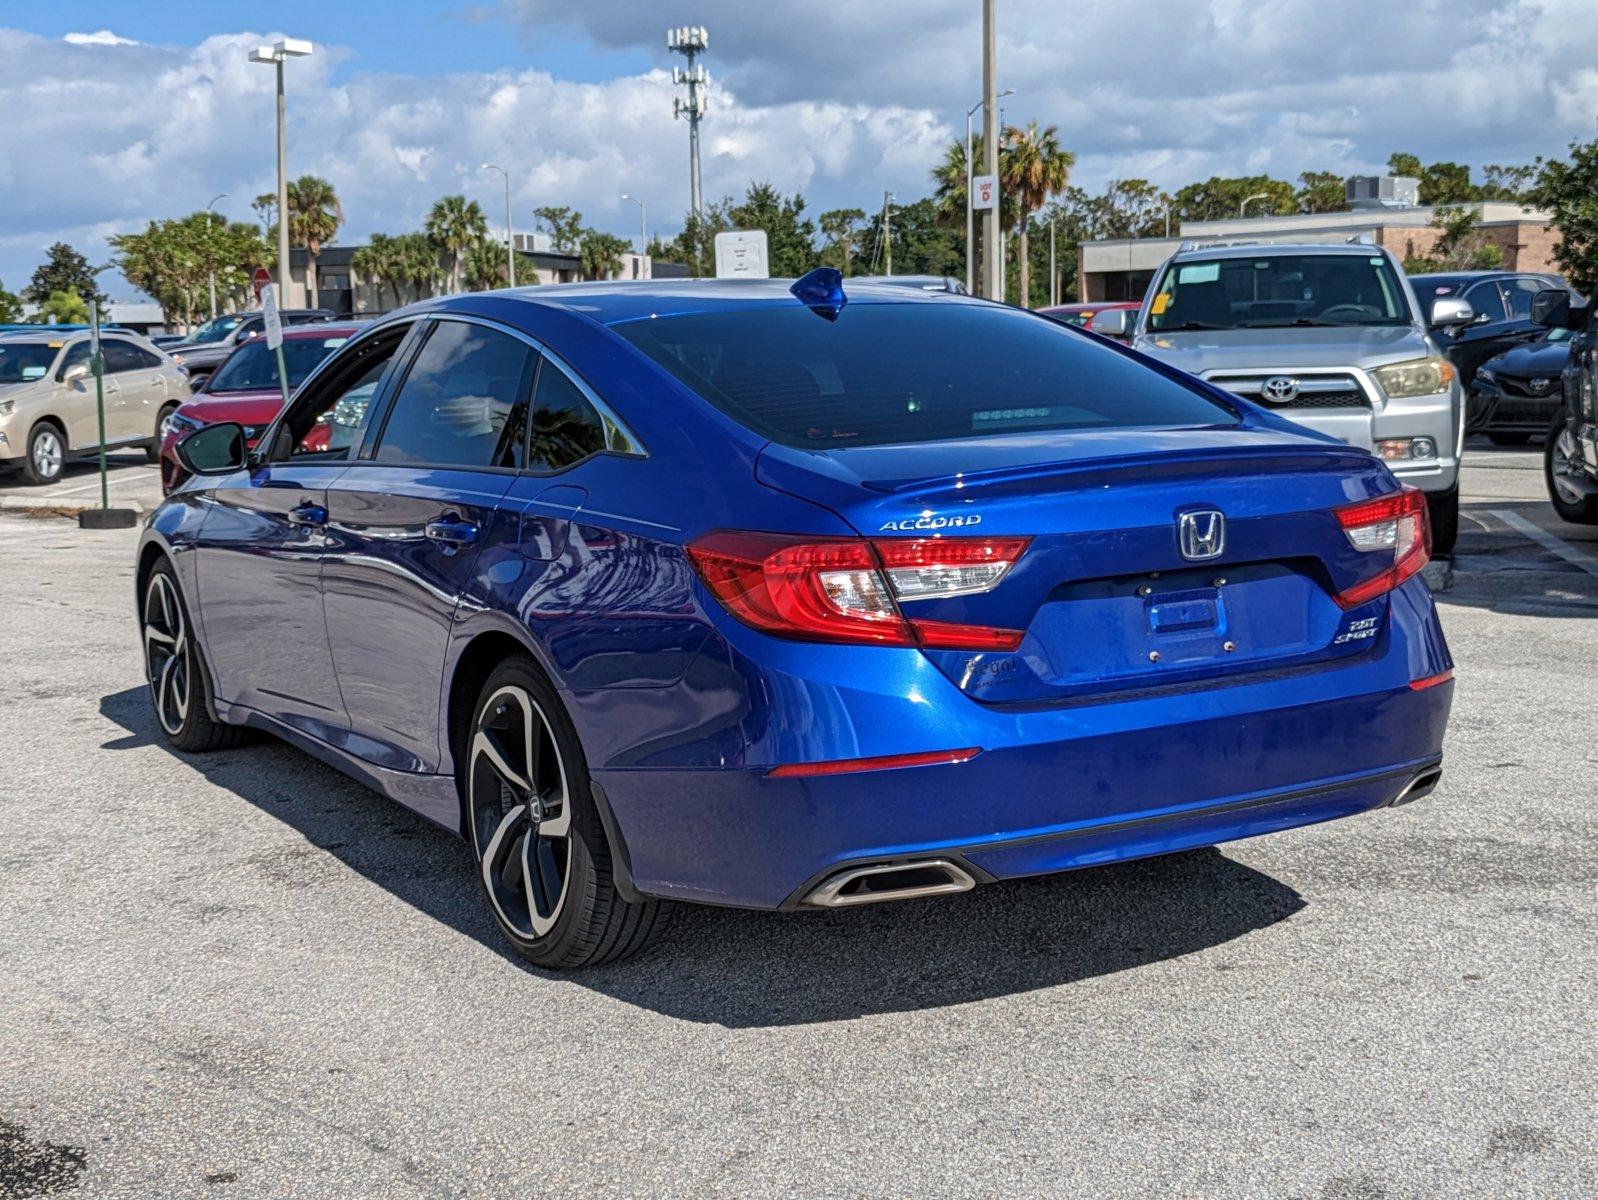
[984,191]
[741,254]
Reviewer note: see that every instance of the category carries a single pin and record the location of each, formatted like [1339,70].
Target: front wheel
[174,671]
[1570,487]
[45,456]
[543,862]
[152,452]
[1443,509]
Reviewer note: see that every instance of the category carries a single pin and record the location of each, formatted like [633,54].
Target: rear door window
[123,356]
[463,402]
[917,372]
[566,427]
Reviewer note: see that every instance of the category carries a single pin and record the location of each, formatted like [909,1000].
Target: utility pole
[278,54]
[211,224]
[690,41]
[887,232]
[992,242]
[1054,274]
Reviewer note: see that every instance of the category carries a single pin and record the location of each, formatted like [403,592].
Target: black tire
[152,452]
[1443,509]
[180,689]
[1509,439]
[44,456]
[1558,453]
[542,859]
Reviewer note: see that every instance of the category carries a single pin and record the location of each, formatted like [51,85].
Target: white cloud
[841,101]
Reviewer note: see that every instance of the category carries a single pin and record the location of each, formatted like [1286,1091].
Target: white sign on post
[742,254]
[274,326]
[984,191]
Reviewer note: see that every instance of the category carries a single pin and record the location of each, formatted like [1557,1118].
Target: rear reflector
[849,589]
[886,762]
[1396,528]
[1431,681]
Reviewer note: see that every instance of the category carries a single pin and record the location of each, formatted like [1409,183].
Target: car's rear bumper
[1053,788]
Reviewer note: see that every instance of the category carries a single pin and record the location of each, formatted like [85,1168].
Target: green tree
[1321,192]
[175,261]
[1440,182]
[564,226]
[63,308]
[922,243]
[64,270]
[454,223]
[416,263]
[1127,208]
[601,254]
[1401,162]
[1220,199]
[485,265]
[1035,170]
[314,217]
[841,229]
[790,235]
[1569,190]
[10,307]
[1509,183]
[695,246]
[1462,246]
[381,262]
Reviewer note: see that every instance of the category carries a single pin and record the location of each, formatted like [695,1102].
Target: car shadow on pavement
[753,969]
[1499,568]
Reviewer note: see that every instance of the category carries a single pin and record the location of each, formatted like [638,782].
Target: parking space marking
[1548,541]
[118,480]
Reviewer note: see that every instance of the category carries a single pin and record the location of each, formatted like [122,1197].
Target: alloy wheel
[1563,468]
[48,454]
[167,658]
[521,818]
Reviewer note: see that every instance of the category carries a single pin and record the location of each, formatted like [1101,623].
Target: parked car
[1330,336]
[1570,456]
[246,391]
[1514,396]
[166,339]
[794,597]
[48,410]
[203,350]
[925,283]
[1500,304]
[1112,319]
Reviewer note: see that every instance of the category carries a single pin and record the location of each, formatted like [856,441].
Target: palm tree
[1034,169]
[601,254]
[485,265]
[380,261]
[314,217]
[416,263]
[454,224]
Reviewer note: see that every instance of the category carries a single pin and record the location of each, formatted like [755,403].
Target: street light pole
[643,229]
[970,200]
[510,238]
[1247,200]
[212,223]
[992,243]
[277,54]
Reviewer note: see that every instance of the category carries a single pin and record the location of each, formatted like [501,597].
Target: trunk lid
[1108,601]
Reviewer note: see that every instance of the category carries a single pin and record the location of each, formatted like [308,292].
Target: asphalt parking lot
[243,975]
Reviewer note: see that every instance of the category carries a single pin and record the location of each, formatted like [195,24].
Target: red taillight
[848,589]
[1395,525]
[886,762]
[1431,681]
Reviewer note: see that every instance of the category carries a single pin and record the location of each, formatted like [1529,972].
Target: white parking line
[94,486]
[1548,541]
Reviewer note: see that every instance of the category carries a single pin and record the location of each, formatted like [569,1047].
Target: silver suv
[1330,336]
[47,403]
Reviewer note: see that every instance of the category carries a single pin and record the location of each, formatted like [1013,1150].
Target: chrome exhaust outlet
[1423,784]
[891,881]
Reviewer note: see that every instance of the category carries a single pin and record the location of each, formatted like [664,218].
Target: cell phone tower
[690,41]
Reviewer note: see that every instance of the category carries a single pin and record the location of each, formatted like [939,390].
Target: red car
[1113,318]
[245,389]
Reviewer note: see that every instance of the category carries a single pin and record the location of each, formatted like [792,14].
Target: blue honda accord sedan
[781,595]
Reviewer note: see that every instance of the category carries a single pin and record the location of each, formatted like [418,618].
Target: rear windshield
[253,366]
[884,373]
[1276,290]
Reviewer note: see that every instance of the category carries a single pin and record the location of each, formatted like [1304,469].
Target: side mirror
[1114,322]
[1553,309]
[214,450]
[197,382]
[1450,310]
[75,372]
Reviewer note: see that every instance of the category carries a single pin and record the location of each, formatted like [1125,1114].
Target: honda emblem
[1202,534]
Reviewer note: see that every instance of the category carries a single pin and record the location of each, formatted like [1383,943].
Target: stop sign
[259,280]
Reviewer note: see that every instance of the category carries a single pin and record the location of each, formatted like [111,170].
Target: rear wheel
[1569,486]
[543,862]
[152,452]
[46,454]
[1443,509]
[1509,439]
[172,667]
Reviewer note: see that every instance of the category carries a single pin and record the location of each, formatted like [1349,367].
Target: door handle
[307,513]
[452,531]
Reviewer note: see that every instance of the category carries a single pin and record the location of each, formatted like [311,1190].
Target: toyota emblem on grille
[1541,385]
[1202,534]
[1279,389]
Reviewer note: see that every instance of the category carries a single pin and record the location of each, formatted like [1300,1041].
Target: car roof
[61,335]
[1094,305]
[1271,249]
[615,302]
[319,329]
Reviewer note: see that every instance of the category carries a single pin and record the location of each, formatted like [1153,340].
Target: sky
[116,113]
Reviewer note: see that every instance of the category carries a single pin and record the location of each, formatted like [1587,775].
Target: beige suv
[47,409]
